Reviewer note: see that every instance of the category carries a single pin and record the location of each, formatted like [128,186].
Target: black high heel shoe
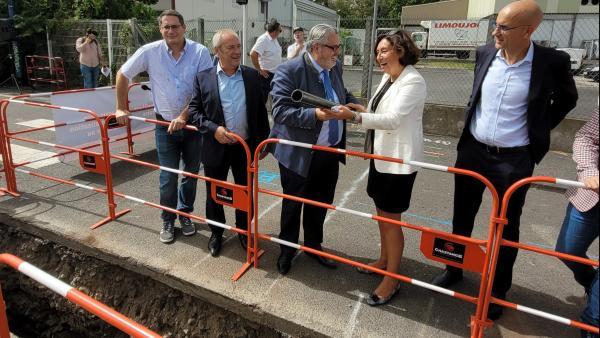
[375,300]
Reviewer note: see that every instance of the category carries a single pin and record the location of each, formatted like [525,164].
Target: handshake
[328,110]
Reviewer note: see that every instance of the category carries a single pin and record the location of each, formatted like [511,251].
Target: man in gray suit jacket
[306,173]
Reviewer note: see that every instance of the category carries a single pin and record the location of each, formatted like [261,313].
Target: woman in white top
[393,120]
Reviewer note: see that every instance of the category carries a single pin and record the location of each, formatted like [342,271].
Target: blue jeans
[183,145]
[578,231]
[90,76]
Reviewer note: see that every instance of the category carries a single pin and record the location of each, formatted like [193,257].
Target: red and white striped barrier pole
[502,220]
[250,252]
[91,305]
[475,323]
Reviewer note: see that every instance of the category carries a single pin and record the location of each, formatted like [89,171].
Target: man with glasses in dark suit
[521,91]
[306,173]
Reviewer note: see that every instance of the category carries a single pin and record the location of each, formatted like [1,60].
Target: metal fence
[447,60]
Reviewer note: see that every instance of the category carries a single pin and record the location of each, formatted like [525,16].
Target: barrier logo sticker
[89,161]
[451,251]
[225,195]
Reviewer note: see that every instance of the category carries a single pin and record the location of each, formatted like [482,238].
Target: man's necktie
[333,124]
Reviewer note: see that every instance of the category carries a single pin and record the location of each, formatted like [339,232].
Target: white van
[577,55]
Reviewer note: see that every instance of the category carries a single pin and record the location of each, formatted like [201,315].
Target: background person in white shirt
[266,55]
[298,47]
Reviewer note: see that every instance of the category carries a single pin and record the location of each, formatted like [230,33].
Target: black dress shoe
[495,311]
[214,244]
[284,263]
[243,241]
[326,262]
[447,279]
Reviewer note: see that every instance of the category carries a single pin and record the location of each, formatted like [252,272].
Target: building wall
[478,9]
[162,5]
[443,10]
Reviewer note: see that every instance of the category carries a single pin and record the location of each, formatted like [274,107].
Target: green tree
[31,15]
[364,8]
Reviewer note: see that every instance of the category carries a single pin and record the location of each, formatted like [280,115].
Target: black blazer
[206,112]
[552,94]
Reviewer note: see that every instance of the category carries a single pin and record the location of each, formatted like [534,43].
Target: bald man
[520,92]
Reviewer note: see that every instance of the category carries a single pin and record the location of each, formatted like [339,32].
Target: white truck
[455,38]
[577,56]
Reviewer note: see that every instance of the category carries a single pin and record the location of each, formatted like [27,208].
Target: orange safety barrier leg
[478,326]
[4,331]
[247,265]
[130,152]
[109,219]
[252,252]
[110,194]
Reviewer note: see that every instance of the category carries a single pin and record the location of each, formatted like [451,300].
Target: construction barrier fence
[478,255]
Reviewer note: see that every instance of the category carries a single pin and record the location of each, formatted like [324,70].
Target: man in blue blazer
[520,93]
[227,99]
[306,173]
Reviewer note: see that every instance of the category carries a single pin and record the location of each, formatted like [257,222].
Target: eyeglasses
[168,27]
[334,48]
[504,28]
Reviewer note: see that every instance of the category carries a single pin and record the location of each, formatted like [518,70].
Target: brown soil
[34,311]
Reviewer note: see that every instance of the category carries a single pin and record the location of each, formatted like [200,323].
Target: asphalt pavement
[310,299]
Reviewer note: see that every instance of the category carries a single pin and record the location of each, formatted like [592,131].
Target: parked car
[591,72]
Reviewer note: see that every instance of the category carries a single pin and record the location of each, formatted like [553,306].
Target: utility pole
[371,52]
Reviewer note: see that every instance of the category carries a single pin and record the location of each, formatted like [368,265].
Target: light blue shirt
[171,80]
[323,139]
[501,114]
[233,101]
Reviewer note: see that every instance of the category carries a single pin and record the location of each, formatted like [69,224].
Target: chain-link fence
[446,63]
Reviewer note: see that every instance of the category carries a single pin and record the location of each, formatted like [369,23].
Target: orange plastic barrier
[91,305]
[499,241]
[444,247]
[223,192]
[98,162]
[46,69]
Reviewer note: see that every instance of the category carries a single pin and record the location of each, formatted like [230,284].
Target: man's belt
[501,150]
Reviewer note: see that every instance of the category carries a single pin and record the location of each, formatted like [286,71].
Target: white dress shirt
[501,113]
[323,139]
[269,52]
[171,80]
[233,101]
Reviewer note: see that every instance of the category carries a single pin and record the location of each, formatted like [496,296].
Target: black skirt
[390,192]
